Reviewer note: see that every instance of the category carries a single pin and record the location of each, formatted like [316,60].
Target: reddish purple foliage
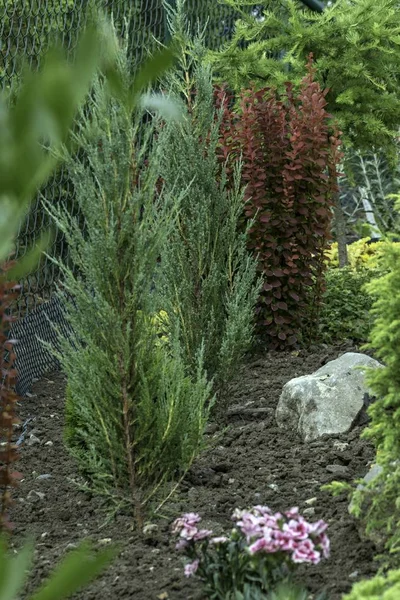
[290,150]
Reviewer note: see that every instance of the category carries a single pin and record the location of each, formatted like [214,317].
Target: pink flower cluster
[270,532]
[188,531]
[265,533]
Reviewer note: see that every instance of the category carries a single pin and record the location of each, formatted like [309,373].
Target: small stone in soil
[353,575]
[310,501]
[71,546]
[33,440]
[150,528]
[34,495]
[340,445]
[338,470]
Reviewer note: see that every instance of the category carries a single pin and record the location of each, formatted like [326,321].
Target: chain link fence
[27,27]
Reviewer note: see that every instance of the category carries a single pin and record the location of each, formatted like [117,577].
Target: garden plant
[204,216]
[377,501]
[346,302]
[208,278]
[258,555]
[290,151]
[42,111]
[357,61]
[124,421]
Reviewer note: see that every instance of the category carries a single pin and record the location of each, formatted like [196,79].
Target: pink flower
[182,544]
[191,568]
[325,545]
[187,520]
[293,513]
[270,521]
[263,545]
[285,540]
[189,532]
[305,553]
[191,518]
[298,528]
[318,527]
[250,526]
[202,534]
[219,540]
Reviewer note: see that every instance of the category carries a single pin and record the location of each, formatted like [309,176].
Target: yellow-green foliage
[160,324]
[378,588]
[361,253]
[382,494]
[346,305]
[346,308]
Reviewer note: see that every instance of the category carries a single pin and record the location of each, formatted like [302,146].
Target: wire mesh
[27,27]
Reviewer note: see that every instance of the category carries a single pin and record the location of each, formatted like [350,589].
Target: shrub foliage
[346,305]
[380,587]
[289,151]
[134,419]
[380,498]
[208,276]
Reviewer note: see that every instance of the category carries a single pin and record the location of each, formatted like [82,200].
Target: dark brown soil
[249,461]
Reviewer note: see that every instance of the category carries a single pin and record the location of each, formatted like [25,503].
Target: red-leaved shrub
[290,149]
[8,399]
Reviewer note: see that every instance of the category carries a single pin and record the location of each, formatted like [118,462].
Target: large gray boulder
[327,401]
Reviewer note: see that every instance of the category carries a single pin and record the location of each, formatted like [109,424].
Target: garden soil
[249,461]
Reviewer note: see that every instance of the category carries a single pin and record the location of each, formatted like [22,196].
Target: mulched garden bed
[249,461]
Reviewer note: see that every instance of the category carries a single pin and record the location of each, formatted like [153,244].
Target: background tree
[356,54]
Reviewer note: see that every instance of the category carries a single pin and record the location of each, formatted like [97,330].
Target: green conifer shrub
[134,419]
[380,587]
[208,277]
[290,151]
[379,500]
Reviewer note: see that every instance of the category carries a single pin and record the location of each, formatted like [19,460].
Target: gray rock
[372,474]
[338,470]
[327,401]
[377,537]
[35,496]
